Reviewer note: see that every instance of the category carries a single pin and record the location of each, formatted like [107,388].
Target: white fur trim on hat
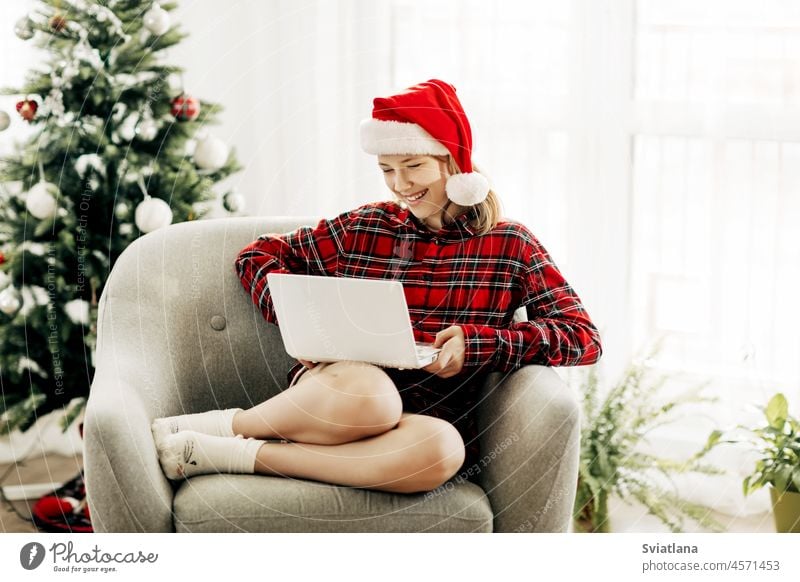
[467,189]
[394,137]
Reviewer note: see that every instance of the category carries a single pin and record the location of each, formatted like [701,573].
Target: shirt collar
[457,229]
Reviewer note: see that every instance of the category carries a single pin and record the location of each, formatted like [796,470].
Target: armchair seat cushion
[258,503]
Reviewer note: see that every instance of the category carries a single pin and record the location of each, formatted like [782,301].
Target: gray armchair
[177,333]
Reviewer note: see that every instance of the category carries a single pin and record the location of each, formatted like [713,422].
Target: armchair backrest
[174,306]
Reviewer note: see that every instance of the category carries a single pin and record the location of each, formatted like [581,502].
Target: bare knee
[365,400]
[436,453]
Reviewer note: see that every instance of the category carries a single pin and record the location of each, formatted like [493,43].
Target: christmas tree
[117,149]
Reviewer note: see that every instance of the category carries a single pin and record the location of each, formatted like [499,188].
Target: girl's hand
[307,364]
[451,358]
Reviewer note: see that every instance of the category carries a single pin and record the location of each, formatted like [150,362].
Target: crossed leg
[346,426]
[419,454]
[343,424]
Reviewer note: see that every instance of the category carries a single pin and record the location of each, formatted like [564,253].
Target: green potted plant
[612,459]
[778,444]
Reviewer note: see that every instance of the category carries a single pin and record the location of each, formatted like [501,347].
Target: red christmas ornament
[185,107]
[27,109]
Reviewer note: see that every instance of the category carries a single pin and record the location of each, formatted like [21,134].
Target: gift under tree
[117,149]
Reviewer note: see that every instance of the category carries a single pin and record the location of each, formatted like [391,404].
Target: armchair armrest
[125,487]
[529,425]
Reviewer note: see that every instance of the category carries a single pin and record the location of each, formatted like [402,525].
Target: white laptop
[329,319]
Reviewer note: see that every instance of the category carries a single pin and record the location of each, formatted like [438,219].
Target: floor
[57,469]
[44,469]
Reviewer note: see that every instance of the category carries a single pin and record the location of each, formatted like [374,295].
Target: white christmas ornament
[5,121]
[41,200]
[152,214]
[210,153]
[23,28]
[78,311]
[156,20]
[10,301]
[233,201]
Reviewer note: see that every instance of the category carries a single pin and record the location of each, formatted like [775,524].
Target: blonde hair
[488,211]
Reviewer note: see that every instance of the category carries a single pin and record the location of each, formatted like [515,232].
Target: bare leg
[420,454]
[330,404]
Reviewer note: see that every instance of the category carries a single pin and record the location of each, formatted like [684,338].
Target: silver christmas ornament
[10,301]
[41,200]
[152,214]
[156,20]
[23,28]
[5,120]
[233,201]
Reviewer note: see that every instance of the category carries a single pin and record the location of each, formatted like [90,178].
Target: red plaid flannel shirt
[450,277]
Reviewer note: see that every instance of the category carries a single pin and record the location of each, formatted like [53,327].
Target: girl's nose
[400,181]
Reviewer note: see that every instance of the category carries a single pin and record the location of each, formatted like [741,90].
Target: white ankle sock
[187,453]
[213,422]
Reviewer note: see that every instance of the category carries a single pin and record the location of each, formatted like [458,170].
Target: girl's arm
[558,331]
[307,251]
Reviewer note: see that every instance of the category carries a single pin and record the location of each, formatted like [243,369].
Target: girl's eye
[415,166]
[387,171]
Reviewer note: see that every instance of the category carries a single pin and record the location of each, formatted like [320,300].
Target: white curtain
[295,78]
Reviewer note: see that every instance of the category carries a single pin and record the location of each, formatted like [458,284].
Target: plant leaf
[777,411]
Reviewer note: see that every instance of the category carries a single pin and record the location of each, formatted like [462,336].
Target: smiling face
[409,176]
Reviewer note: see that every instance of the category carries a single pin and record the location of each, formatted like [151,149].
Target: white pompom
[210,153]
[41,200]
[156,20]
[467,189]
[152,214]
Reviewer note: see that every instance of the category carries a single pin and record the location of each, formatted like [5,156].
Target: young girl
[464,271]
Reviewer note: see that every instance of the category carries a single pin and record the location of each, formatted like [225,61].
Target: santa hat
[427,119]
